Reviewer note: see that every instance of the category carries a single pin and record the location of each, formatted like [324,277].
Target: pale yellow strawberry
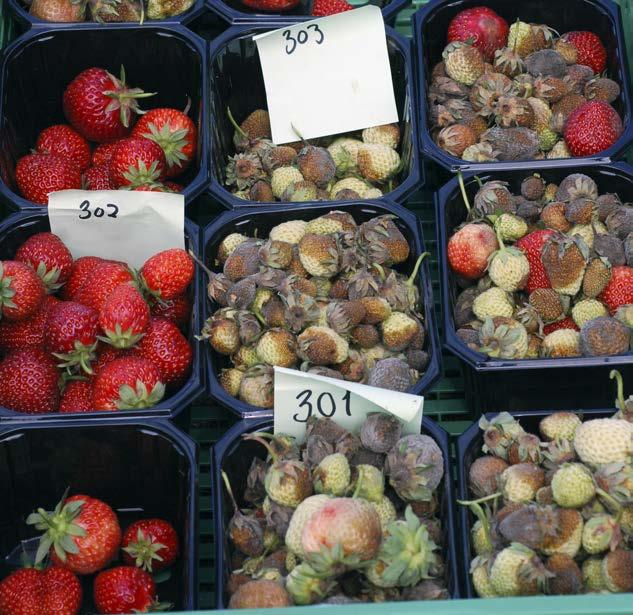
[332,475]
[230,379]
[493,302]
[592,574]
[387,134]
[587,310]
[521,481]
[350,183]
[344,152]
[572,485]
[282,178]
[319,255]
[299,518]
[386,512]
[398,330]
[377,162]
[291,232]
[277,347]
[559,426]
[323,226]
[228,244]
[568,537]
[601,441]
[507,574]
[561,343]
[481,582]
[322,346]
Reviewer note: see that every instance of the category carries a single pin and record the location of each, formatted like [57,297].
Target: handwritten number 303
[98,212]
[302,37]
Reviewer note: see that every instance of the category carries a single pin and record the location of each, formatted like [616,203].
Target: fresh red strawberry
[619,290]
[29,333]
[124,316]
[72,334]
[150,544]
[82,268]
[175,132]
[591,51]
[105,277]
[175,187]
[592,128]
[565,323]
[489,30]
[125,589]
[103,153]
[97,178]
[21,291]
[76,397]
[151,188]
[469,248]
[532,245]
[28,381]
[54,591]
[106,354]
[62,140]
[168,349]
[39,174]
[89,523]
[323,8]
[49,256]
[127,383]
[137,161]
[178,310]
[100,106]
[168,273]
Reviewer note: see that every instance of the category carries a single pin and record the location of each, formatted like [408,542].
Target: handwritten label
[299,395]
[117,224]
[328,76]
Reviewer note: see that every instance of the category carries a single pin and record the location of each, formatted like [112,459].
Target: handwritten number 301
[302,37]
[325,405]
[98,212]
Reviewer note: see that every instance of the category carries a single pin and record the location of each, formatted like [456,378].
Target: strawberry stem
[260,440]
[615,374]
[460,179]
[611,502]
[237,127]
[227,485]
[416,268]
[478,179]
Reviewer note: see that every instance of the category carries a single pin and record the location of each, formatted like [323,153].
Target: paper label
[299,395]
[118,224]
[328,76]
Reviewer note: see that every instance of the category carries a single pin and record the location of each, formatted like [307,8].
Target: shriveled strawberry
[28,381]
[62,140]
[532,245]
[82,268]
[323,8]
[124,316]
[127,383]
[21,291]
[592,128]
[103,153]
[150,544]
[100,106]
[98,285]
[125,589]
[469,248]
[619,290]
[137,161]
[28,591]
[565,323]
[591,51]
[39,174]
[76,397]
[489,30]
[49,256]
[176,134]
[178,310]
[168,273]
[97,178]
[82,534]
[29,333]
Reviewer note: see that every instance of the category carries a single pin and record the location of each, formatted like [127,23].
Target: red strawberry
[532,245]
[105,277]
[124,316]
[82,268]
[489,30]
[125,589]
[103,153]
[168,273]
[29,333]
[77,396]
[469,248]
[97,178]
[152,188]
[28,381]
[174,186]
[49,256]
[89,523]
[168,349]
[38,174]
[565,323]
[62,140]
[100,106]
[54,591]
[619,290]
[106,354]
[592,128]
[591,51]
[150,544]
[127,383]
[178,310]
[323,8]
[175,132]
[21,291]
[137,161]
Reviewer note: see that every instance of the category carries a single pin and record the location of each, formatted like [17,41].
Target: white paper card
[328,76]
[299,395]
[118,224]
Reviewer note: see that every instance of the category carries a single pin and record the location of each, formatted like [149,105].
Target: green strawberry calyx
[142,175]
[6,292]
[144,551]
[119,338]
[125,99]
[81,357]
[171,141]
[139,397]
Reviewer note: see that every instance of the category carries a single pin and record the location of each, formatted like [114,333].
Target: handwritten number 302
[98,212]
[302,37]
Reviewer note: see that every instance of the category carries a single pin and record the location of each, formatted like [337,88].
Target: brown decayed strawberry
[489,30]
[103,279]
[28,591]
[178,310]
[124,316]
[21,291]
[532,245]
[619,290]
[168,273]
[592,128]
[29,333]
[151,544]
[323,8]
[97,178]
[127,383]
[168,349]
[76,397]
[102,154]
[469,248]
[82,268]
[125,589]
[591,51]
[137,161]
[39,174]
[28,381]
[100,106]
[47,254]
[565,323]
[62,140]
